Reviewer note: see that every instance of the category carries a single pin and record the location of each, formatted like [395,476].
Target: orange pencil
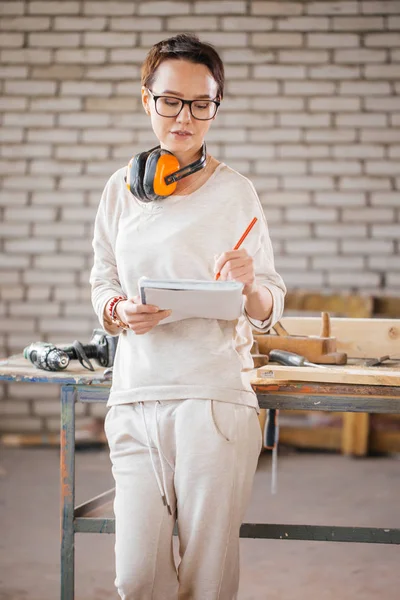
[240,242]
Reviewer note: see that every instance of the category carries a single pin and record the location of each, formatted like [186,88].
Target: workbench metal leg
[67,472]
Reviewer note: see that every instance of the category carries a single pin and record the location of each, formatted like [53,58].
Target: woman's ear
[146,100]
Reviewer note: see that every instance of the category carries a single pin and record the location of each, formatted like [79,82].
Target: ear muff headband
[153,175]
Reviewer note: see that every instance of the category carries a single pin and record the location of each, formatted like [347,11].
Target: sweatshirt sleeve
[265,272]
[104,279]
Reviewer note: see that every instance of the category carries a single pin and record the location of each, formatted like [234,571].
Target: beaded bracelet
[111,309]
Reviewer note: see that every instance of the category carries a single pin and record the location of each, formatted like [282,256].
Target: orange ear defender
[152,175]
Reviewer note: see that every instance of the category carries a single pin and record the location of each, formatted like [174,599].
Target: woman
[182,427]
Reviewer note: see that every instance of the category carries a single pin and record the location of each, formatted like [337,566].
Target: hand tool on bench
[291,359]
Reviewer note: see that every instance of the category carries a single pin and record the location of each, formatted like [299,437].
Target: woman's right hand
[141,318]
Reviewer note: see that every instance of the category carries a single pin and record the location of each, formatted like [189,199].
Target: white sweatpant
[203,458]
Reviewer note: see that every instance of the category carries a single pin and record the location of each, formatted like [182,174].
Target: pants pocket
[223,420]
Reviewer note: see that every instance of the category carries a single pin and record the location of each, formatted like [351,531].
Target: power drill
[48,357]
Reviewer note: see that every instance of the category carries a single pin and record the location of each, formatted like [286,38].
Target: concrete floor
[312,488]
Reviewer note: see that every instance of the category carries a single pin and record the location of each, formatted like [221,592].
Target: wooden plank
[346,305]
[332,374]
[355,434]
[384,441]
[323,438]
[359,338]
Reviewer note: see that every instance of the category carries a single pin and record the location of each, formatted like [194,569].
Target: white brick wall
[311,114]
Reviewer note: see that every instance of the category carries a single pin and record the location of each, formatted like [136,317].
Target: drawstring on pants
[162,486]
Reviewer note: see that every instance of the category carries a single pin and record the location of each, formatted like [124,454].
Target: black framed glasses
[170,107]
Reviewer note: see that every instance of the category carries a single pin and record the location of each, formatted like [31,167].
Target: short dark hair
[184,46]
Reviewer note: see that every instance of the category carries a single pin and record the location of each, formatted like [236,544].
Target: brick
[108,39]
[332,40]
[365,88]
[311,247]
[8,167]
[364,183]
[394,152]
[362,120]
[393,22]
[334,104]
[382,167]
[11,40]
[301,279]
[300,151]
[334,72]
[382,40]
[20,424]
[246,55]
[340,7]
[237,71]
[56,104]
[382,71]
[10,261]
[14,409]
[247,120]
[80,55]
[380,135]
[85,120]
[307,183]
[53,135]
[340,230]
[278,104]
[358,23]
[380,7]
[308,88]
[25,24]
[59,230]
[13,103]
[85,213]
[359,55]
[53,40]
[386,231]
[6,277]
[188,24]
[303,56]
[328,136]
[340,263]
[30,245]
[358,151]
[336,167]
[33,309]
[276,40]
[49,277]
[48,167]
[242,23]
[79,23]
[354,279]
[383,262]
[257,87]
[82,183]
[29,182]
[59,261]
[393,279]
[131,55]
[291,262]
[303,24]
[276,8]
[13,72]
[304,120]
[39,292]
[114,104]
[220,7]
[54,8]
[59,198]
[64,326]
[27,391]
[311,215]
[117,72]
[62,72]
[285,198]
[225,38]
[368,215]
[107,136]
[8,198]
[366,246]
[225,135]
[340,199]
[279,72]
[380,104]
[109,8]
[289,231]
[87,88]
[13,7]
[33,56]
[275,135]
[30,88]
[30,213]
[279,166]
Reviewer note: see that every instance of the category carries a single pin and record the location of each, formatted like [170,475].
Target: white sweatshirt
[178,237]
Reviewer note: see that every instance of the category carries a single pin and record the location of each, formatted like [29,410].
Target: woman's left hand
[237,265]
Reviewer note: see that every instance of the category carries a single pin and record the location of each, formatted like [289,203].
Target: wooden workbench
[78,384]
